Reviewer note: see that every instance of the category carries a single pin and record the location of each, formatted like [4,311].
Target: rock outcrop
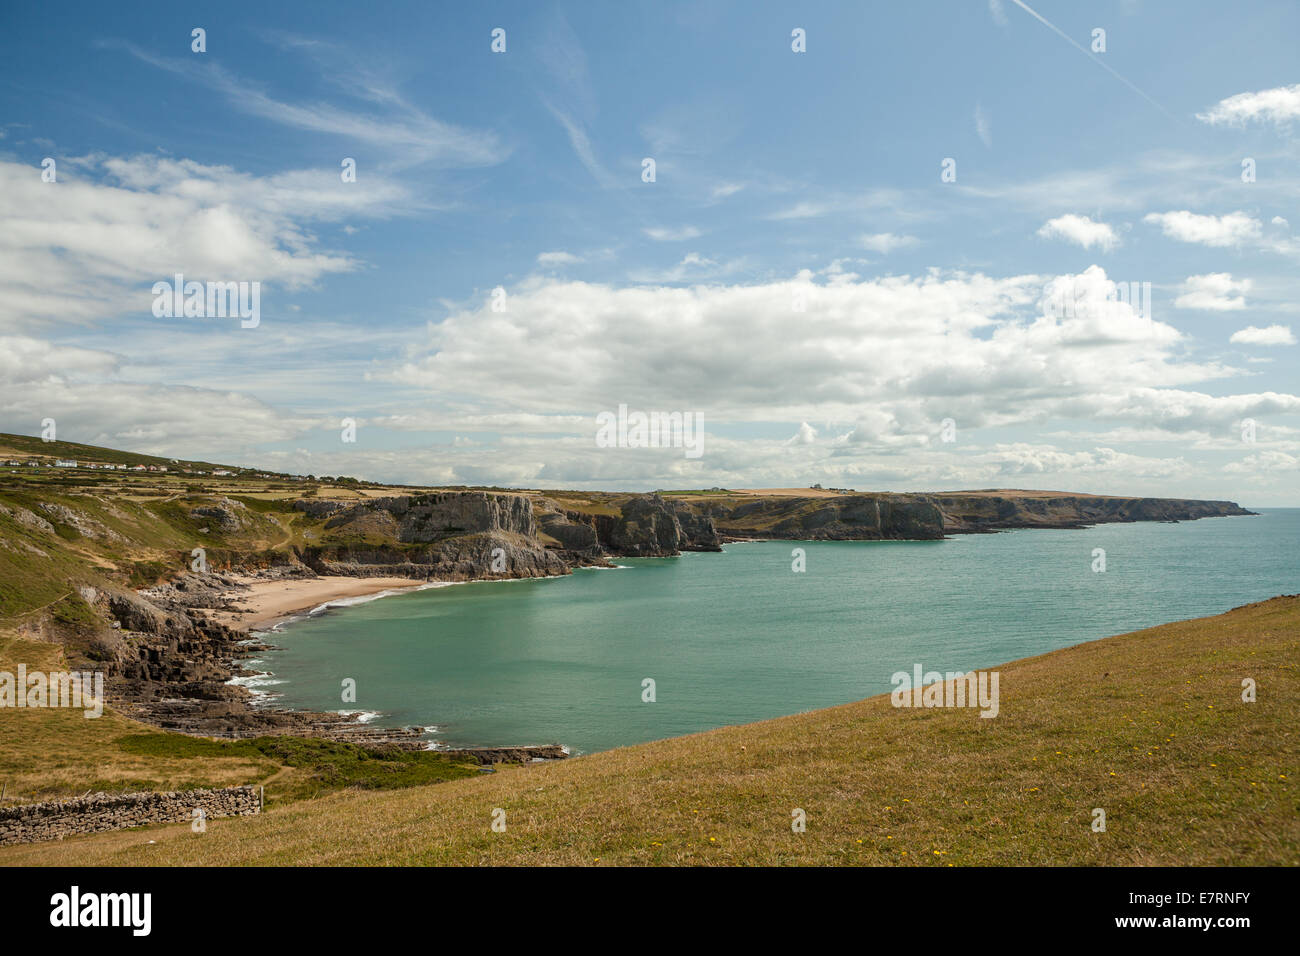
[575,532]
[469,557]
[985,511]
[920,517]
[647,527]
[432,517]
[228,514]
[845,518]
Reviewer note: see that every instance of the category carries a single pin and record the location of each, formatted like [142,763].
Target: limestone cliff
[984,511]
[846,518]
[869,517]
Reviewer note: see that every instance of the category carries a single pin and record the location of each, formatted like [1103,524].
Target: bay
[739,636]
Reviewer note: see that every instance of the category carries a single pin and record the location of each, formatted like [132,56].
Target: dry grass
[1149,726]
[57,753]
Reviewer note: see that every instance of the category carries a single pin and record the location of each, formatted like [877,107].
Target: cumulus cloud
[1278,105]
[1214,292]
[1234,229]
[26,361]
[806,435]
[90,245]
[1080,230]
[77,387]
[1271,335]
[894,355]
[1265,462]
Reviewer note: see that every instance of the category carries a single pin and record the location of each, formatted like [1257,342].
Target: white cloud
[806,435]
[886,242]
[79,249]
[693,267]
[1278,105]
[26,361]
[672,235]
[1272,335]
[912,349]
[802,210]
[1234,229]
[1263,463]
[557,259]
[1080,230]
[1214,292]
[76,388]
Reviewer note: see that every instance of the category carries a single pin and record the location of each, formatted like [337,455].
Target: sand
[268,602]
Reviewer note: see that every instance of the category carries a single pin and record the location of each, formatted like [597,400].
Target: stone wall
[97,812]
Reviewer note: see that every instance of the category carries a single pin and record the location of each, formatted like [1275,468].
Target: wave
[367,598]
[362,716]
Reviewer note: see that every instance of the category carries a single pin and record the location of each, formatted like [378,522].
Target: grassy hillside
[57,753]
[1149,726]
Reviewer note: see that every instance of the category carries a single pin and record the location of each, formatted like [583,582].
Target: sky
[909,247]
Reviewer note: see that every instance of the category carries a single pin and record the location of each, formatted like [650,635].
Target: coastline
[1177,683]
[263,603]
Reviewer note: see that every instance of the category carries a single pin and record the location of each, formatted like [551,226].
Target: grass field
[1149,726]
[54,754]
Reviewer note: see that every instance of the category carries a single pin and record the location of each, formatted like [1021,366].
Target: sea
[660,647]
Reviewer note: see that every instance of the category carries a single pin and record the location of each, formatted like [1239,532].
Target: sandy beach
[268,602]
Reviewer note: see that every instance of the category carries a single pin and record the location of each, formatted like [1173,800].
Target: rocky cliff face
[846,518]
[448,536]
[967,513]
[470,557]
[647,526]
[920,517]
[426,518]
[167,664]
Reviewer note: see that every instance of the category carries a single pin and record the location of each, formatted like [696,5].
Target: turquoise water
[736,637]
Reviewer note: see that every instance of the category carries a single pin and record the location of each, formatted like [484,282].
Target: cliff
[867,517]
[846,518]
[989,511]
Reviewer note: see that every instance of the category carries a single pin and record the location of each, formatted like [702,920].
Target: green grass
[58,753]
[323,765]
[74,613]
[1149,726]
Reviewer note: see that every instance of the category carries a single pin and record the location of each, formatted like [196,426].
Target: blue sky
[780,176]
